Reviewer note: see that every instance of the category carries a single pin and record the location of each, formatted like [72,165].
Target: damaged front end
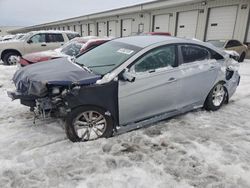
[44,86]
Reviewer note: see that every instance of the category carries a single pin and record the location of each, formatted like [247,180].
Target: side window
[38,38]
[158,58]
[59,38]
[54,37]
[192,53]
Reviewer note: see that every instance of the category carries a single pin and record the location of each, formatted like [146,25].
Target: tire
[79,128]
[212,103]
[6,58]
[242,57]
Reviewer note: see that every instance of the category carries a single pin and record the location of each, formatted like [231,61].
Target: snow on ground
[197,149]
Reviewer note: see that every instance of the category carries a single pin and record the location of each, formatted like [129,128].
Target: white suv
[34,41]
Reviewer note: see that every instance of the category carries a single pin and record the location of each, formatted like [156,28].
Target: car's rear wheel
[10,58]
[216,97]
[88,123]
[242,57]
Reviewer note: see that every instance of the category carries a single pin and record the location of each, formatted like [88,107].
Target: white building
[201,19]
[4,30]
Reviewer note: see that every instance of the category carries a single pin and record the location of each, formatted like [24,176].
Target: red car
[73,48]
[158,33]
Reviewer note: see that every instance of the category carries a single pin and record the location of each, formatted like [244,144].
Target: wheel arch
[223,82]
[8,51]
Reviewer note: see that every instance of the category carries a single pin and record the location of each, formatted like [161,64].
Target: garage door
[84,30]
[112,30]
[187,24]
[92,29]
[221,23]
[101,29]
[161,23]
[72,28]
[78,29]
[126,27]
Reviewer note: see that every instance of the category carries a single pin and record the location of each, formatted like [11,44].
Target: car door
[155,89]
[54,40]
[199,73]
[35,43]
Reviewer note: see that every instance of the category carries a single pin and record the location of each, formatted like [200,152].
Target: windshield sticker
[125,51]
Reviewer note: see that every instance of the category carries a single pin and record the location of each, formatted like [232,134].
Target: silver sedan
[132,82]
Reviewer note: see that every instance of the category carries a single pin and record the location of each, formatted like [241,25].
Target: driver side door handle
[172,79]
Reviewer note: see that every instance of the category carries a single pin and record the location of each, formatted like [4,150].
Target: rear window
[72,48]
[191,53]
[217,43]
[55,37]
[215,55]
[72,35]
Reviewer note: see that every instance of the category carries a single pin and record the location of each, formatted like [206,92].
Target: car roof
[145,41]
[220,40]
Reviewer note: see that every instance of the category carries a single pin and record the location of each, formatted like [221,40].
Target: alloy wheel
[218,95]
[90,125]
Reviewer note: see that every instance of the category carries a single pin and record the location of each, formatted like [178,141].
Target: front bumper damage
[26,100]
[104,96]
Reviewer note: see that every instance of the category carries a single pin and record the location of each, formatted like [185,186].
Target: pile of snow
[198,149]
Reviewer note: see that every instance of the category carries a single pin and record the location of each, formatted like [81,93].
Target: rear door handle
[43,45]
[172,79]
[212,67]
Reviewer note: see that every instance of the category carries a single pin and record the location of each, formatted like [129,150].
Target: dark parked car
[128,83]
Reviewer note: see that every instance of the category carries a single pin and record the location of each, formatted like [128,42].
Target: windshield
[104,58]
[217,43]
[26,36]
[72,48]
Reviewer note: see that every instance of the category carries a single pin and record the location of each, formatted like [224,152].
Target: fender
[104,96]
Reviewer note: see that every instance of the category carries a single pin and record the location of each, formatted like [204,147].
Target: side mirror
[235,57]
[128,76]
[29,41]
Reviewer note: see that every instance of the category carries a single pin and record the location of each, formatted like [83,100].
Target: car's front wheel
[216,97]
[88,123]
[10,58]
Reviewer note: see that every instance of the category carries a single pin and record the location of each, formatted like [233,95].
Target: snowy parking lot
[197,149]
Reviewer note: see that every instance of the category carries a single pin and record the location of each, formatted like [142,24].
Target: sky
[32,12]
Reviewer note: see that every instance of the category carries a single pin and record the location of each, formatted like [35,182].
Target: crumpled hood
[33,79]
[43,56]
